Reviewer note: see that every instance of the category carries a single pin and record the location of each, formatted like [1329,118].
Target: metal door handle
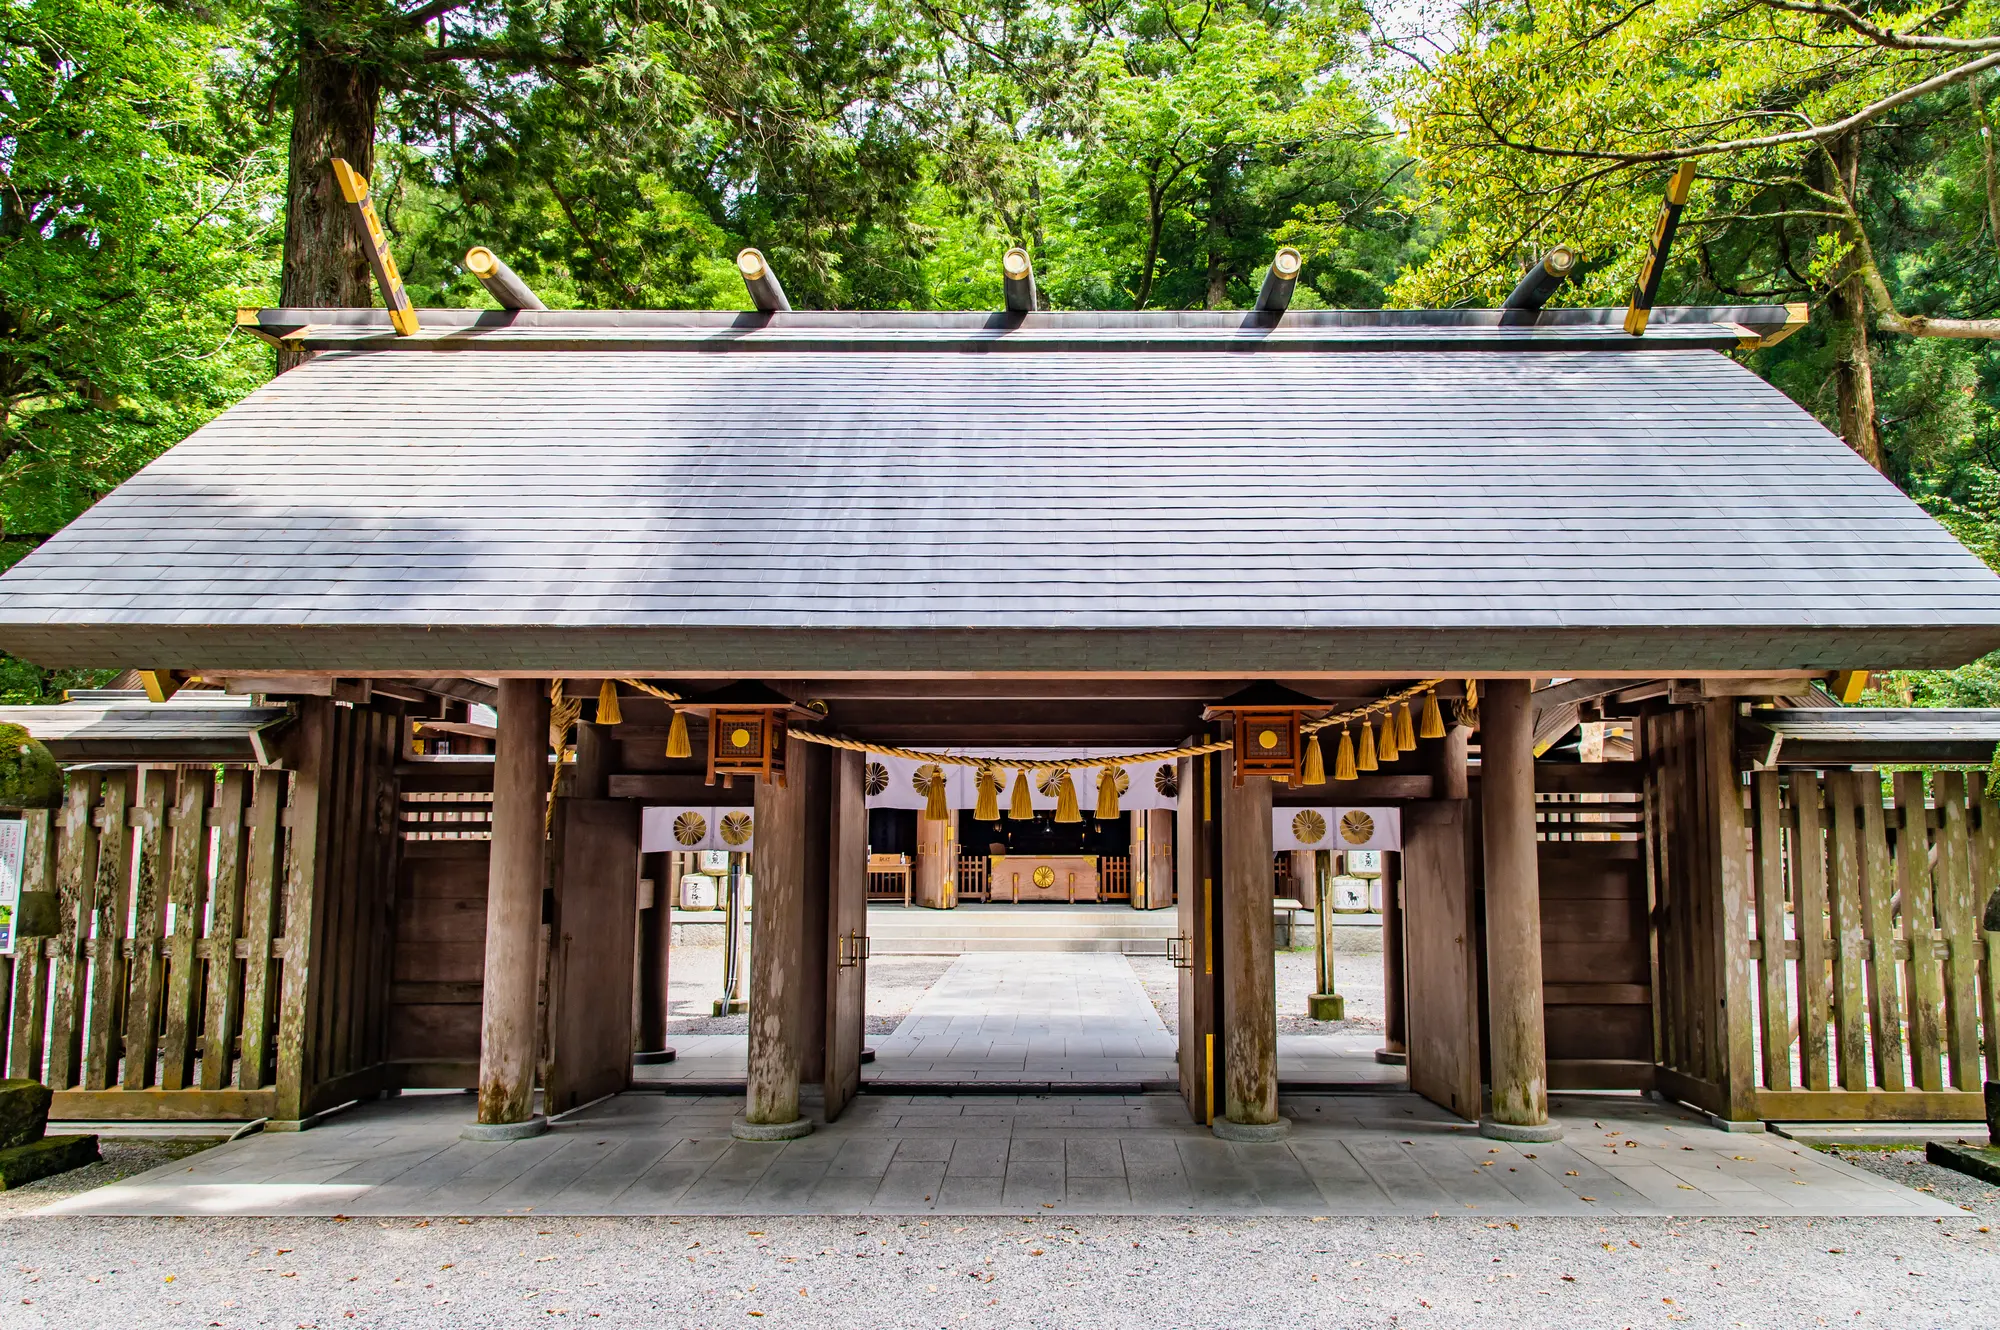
[1177,952]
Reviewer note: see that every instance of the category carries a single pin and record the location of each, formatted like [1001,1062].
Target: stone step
[987,928]
[956,946]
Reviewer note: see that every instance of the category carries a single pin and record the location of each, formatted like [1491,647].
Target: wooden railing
[975,877]
[1874,981]
[889,878]
[169,960]
[1114,878]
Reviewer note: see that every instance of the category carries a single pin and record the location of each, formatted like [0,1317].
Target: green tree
[134,219]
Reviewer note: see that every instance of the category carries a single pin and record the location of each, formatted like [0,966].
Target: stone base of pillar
[1252,1132]
[1326,1006]
[1392,1057]
[504,1131]
[653,1059]
[1739,1124]
[1514,1131]
[745,1130]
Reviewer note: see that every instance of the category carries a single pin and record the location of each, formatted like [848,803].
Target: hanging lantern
[1365,759]
[746,730]
[607,704]
[1313,772]
[1343,761]
[1433,722]
[1406,733]
[987,807]
[1266,729]
[1021,804]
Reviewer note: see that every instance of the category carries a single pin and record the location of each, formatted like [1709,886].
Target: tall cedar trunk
[333,116]
[1847,303]
[1218,271]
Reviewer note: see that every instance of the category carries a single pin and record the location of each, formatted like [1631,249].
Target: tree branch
[1895,41]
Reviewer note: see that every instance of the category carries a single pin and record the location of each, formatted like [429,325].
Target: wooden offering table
[1043,877]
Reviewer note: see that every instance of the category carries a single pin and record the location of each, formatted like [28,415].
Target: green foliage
[29,777]
[136,215]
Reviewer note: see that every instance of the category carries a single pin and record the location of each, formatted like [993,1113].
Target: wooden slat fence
[1114,878]
[975,877]
[1874,981]
[163,976]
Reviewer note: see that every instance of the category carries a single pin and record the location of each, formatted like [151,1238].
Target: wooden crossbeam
[1648,284]
[354,188]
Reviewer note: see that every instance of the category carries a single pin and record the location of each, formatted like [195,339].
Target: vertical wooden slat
[1769,888]
[223,1013]
[29,1027]
[262,879]
[76,886]
[111,899]
[342,884]
[1809,922]
[1957,919]
[1885,1009]
[388,859]
[1923,986]
[145,961]
[311,751]
[1985,863]
[187,892]
[1733,906]
[1850,933]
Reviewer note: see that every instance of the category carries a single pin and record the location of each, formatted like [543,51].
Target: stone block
[1993,1112]
[1982,1162]
[1326,1006]
[45,1158]
[24,1112]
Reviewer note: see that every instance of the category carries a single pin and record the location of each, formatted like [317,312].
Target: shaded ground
[121,1159]
[1910,1168]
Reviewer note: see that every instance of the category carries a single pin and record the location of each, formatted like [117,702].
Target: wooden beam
[1281,279]
[1513,913]
[507,1035]
[766,293]
[1017,275]
[1640,310]
[500,280]
[1249,1004]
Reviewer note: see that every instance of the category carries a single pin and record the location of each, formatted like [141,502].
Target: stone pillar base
[1251,1132]
[653,1059]
[1326,1006]
[745,1130]
[504,1131]
[1392,1057]
[1514,1131]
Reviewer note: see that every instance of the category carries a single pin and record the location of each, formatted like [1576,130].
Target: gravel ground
[1359,974]
[1446,1273]
[1910,1168]
[121,1159]
[694,981]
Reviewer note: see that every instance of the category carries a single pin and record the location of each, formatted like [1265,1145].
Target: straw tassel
[677,737]
[1343,760]
[1314,771]
[1066,805]
[1107,793]
[1406,733]
[607,704]
[1021,806]
[1365,759]
[1389,749]
[935,809]
[1433,722]
[988,807]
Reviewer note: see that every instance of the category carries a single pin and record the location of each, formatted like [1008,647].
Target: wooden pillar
[656,927]
[507,1026]
[1250,978]
[1395,1050]
[1520,1108]
[935,873]
[1160,884]
[777,963]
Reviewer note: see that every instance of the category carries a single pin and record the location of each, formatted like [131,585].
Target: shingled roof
[817,493]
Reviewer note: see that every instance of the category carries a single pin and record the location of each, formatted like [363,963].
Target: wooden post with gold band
[354,188]
[1648,285]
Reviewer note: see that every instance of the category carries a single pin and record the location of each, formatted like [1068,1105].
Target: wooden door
[846,931]
[1440,955]
[1197,951]
[590,969]
[1153,858]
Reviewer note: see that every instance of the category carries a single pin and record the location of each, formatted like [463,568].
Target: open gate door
[1440,955]
[847,931]
[1197,852]
[594,931]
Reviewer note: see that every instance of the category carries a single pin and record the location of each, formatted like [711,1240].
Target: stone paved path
[664,1154]
[1039,1017]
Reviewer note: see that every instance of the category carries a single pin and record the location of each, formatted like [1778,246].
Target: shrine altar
[1043,877]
